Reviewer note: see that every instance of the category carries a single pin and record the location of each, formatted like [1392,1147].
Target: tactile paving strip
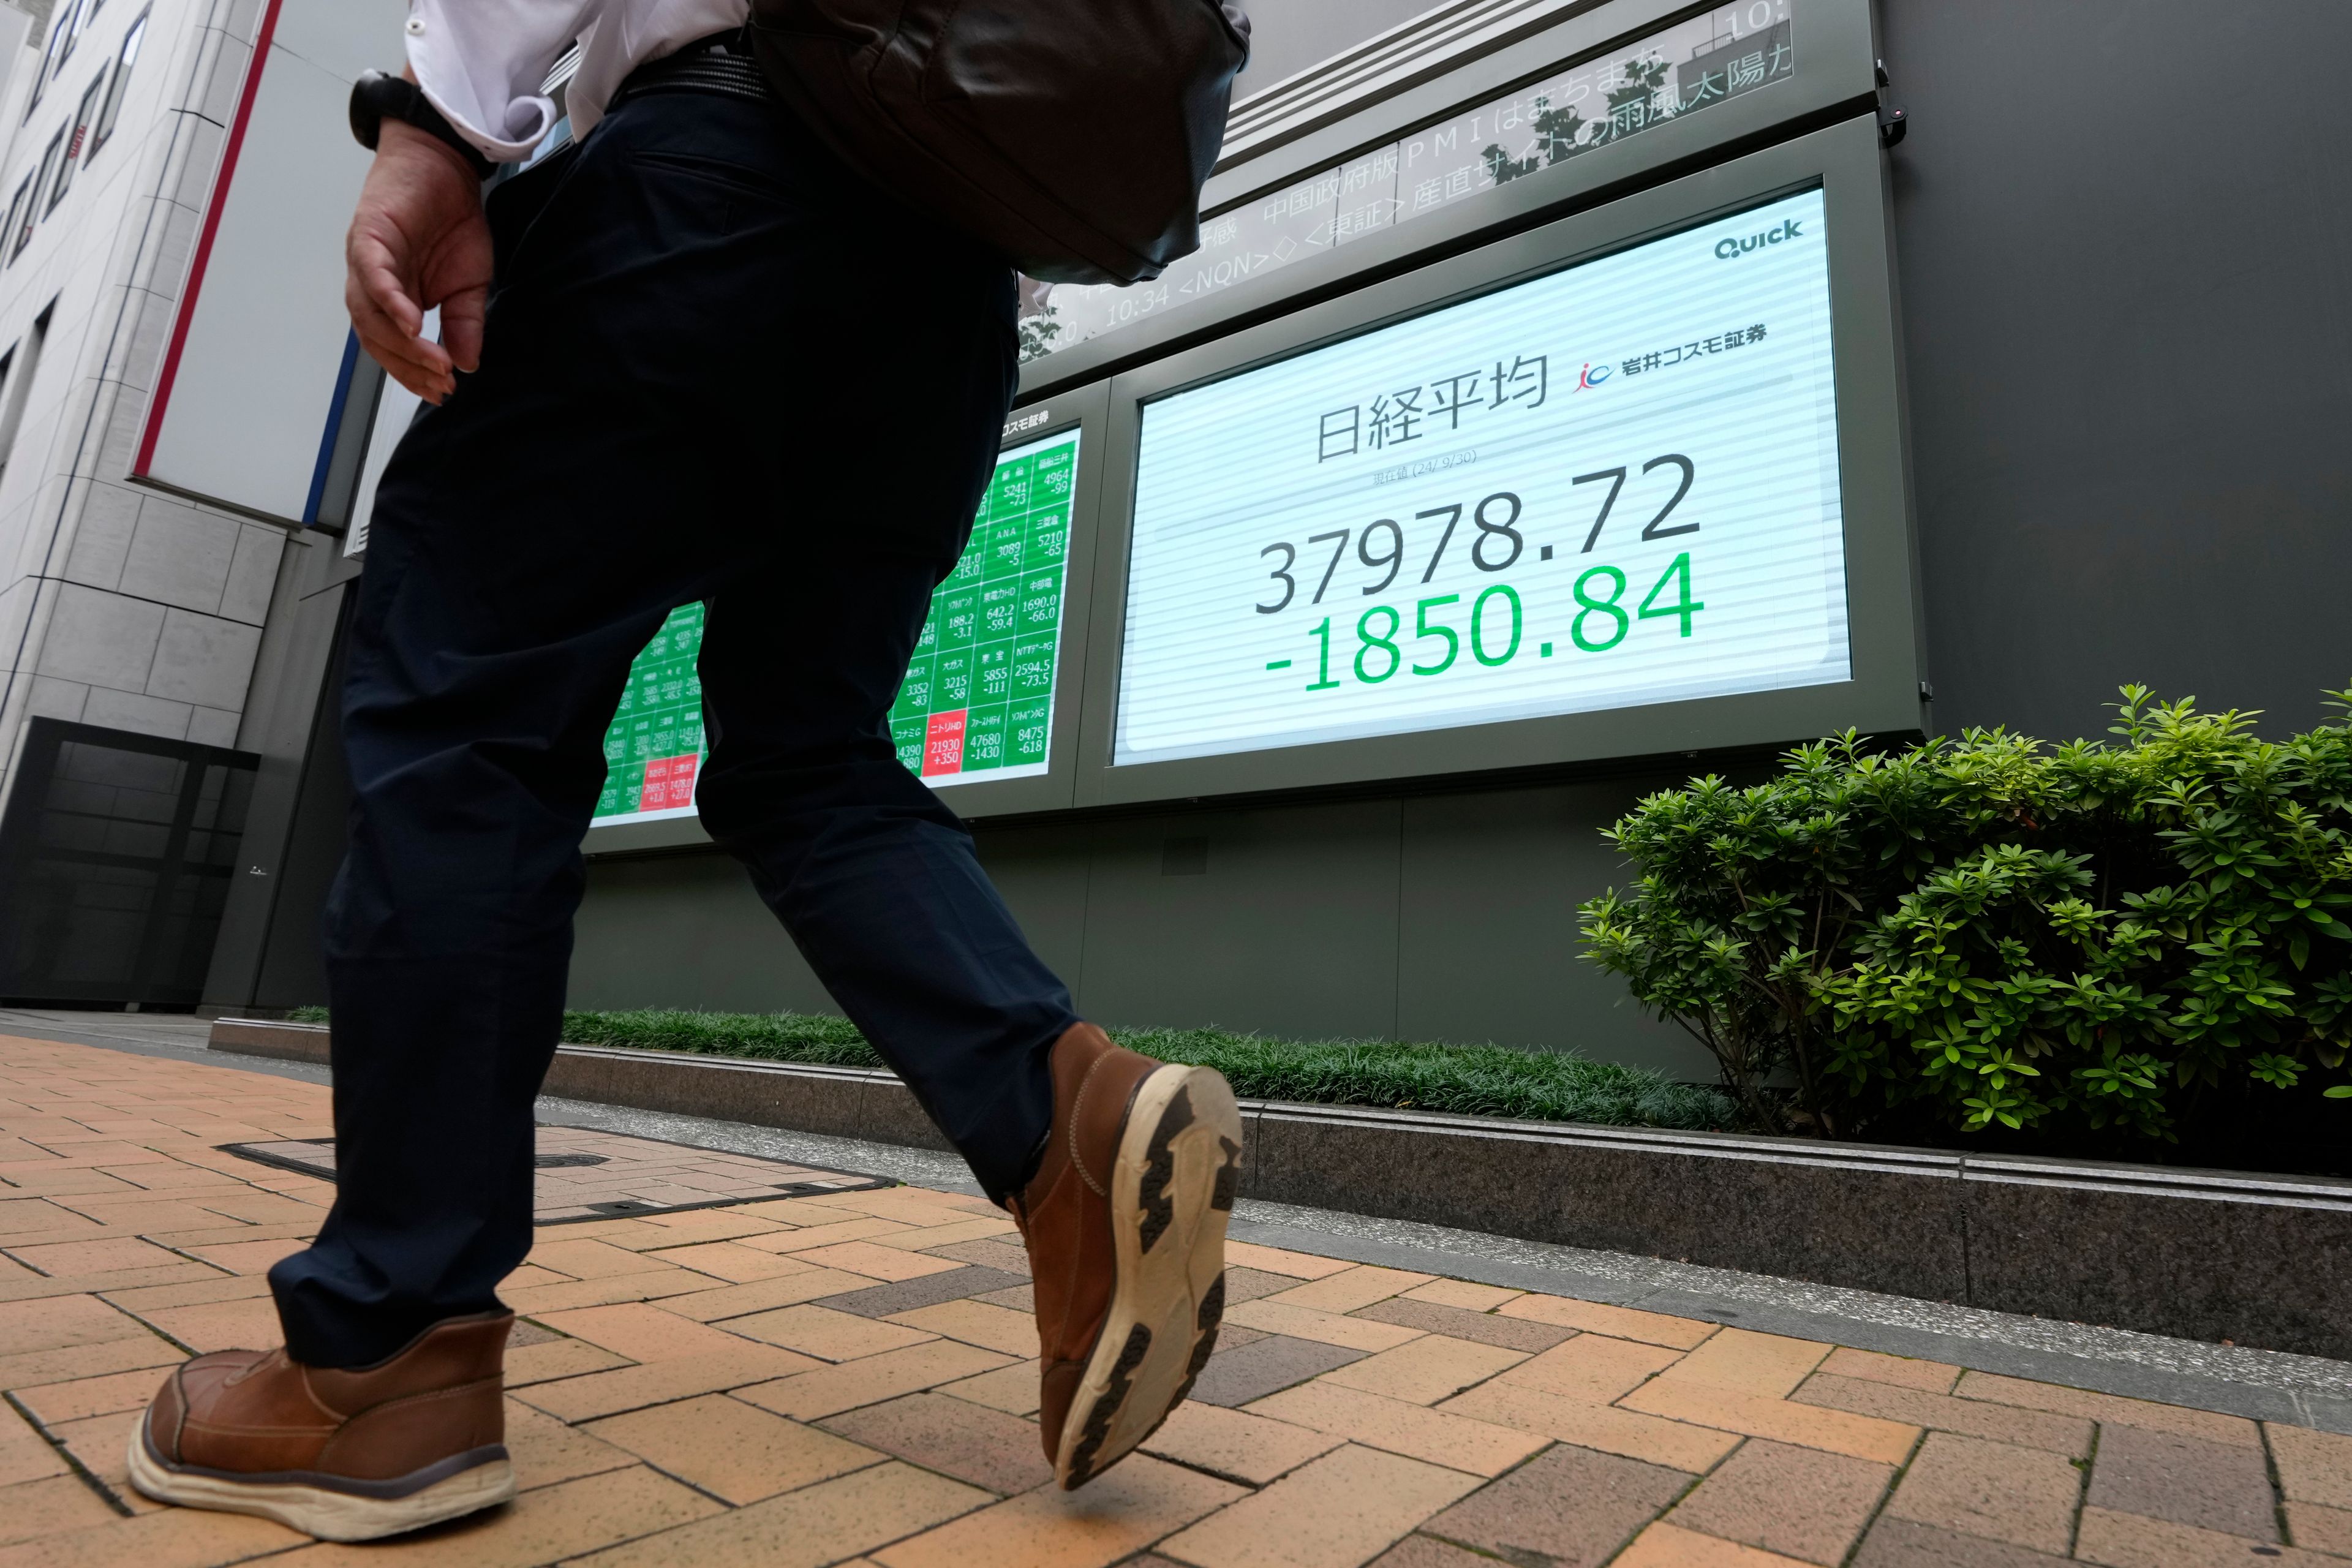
[585,1173]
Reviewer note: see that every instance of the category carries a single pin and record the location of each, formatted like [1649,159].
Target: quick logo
[1726,249]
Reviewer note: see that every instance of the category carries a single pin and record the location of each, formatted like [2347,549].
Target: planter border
[2213,1254]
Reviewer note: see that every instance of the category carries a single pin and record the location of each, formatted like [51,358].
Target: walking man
[691,357]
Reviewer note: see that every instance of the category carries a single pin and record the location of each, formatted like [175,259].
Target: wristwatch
[377,97]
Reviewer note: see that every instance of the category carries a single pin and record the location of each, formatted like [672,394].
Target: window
[22,362]
[70,24]
[49,58]
[112,105]
[16,211]
[48,167]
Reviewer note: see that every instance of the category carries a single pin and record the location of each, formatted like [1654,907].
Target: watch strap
[377,96]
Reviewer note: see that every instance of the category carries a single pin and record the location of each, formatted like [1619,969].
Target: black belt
[721,64]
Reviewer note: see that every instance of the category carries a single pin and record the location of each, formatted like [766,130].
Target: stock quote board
[978,700]
[1613,486]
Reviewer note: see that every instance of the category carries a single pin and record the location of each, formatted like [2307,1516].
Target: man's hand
[418,240]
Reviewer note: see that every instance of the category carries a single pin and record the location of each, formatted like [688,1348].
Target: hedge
[2098,945]
[1471,1080]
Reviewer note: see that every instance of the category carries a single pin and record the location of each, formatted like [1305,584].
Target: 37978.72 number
[1495,547]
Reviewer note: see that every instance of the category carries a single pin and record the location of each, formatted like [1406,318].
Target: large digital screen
[1611,486]
[978,700]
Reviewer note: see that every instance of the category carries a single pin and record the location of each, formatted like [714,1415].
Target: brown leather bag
[1073,135]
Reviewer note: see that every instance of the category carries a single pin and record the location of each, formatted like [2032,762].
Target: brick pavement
[847,1379]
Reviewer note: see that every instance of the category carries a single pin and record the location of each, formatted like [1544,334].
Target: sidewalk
[848,1378]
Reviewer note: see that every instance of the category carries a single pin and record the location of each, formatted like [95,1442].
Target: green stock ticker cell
[1000,608]
[985,736]
[957,670]
[1027,724]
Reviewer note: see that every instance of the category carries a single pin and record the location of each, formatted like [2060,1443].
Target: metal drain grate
[584,1174]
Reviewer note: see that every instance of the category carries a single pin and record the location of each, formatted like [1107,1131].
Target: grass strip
[1469,1080]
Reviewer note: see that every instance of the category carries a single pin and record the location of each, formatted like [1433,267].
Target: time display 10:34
[1494,629]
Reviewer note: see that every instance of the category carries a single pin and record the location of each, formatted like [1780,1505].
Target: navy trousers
[717,367]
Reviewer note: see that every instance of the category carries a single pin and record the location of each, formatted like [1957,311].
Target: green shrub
[1471,1081]
[2102,941]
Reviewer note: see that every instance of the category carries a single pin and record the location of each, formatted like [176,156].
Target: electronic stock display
[1611,486]
[978,699]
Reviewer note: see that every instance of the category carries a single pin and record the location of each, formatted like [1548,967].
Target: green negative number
[1385,642]
[1683,606]
[1607,606]
[1478,626]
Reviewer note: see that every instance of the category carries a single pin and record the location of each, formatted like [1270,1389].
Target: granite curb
[2220,1256]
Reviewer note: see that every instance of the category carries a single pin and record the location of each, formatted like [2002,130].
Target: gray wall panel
[1291,928]
[1489,949]
[686,930]
[2130,354]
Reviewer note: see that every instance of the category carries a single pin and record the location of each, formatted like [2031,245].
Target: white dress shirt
[482,62]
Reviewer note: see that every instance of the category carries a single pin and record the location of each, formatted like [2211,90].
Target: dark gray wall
[1449,916]
[2129,331]
[2123,250]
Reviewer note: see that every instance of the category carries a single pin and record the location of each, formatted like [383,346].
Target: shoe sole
[321,1512]
[1171,1194]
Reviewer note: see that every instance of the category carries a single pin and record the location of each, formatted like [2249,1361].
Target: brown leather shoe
[344,1455]
[1126,1226]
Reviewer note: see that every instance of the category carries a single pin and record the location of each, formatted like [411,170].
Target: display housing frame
[1085,410]
[1884,694]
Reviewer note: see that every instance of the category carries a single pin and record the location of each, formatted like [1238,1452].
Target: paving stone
[2129,1541]
[1017,1298]
[1426,1369]
[954,1436]
[731,1261]
[557,1358]
[1567,1507]
[2024,1495]
[1808,1426]
[1241,1375]
[659,1382]
[24,1454]
[1273,1317]
[1439,1437]
[167,1538]
[1249,1284]
[1664,1545]
[826,1334]
[804,1529]
[1337,1511]
[1765,1365]
[977,1323]
[540,1526]
[1414,1311]
[61,1323]
[1418,1552]
[1464,1294]
[2162,1475]
[730,1449]
[2068,1434]
[1652,1440]
[1114,1515]
[32,1509]
[1800,1502]
[828,1391]
[952,1282]
[2312,1466]
[1234,1443]
[730,1301]
[249,1324]
[1901,1543]
[546,1452]
[1593,1367]
[92,1396]
[1012,1389]
[1276,1260]
[886,1263]
[1929,1376]
[94,1257]
[2321,1527]
[2110,1409]
[640,1333]
[1008,1256]
[1350,1288]
[1595,1317]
